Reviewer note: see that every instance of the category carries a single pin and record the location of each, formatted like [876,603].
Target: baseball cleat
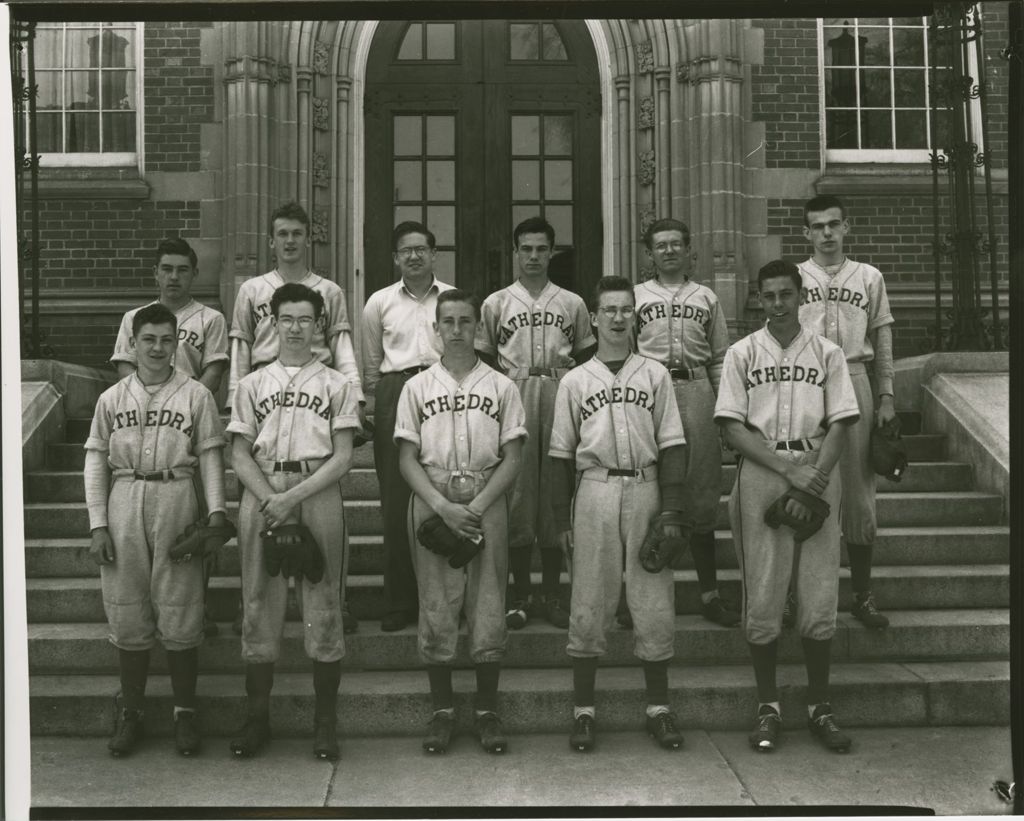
[789,611]
[555,614]
[325,740]
[439,732]
[823,727]
[186,732]
[488,730]
[765,736]
[865,611]
[718,611]
[515,616]
[624,619]
[663,728]
[130,731]
[254,735]
[582,737]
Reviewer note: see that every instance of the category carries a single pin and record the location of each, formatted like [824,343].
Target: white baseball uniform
[152,437]
[535,341]
[787,395]
[683,327]
[617,422]
[845,308]
[202,338]
[461,427]
[290,415]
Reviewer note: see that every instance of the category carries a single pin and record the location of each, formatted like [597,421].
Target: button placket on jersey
[460,429]
[620,425]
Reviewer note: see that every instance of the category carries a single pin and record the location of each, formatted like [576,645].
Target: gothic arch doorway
[472,126]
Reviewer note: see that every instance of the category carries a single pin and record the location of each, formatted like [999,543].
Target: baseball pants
[478,588]
[265,598]
[859,520]
[769,557]
[703,484]
[532,519]
[146,596]
[611,517]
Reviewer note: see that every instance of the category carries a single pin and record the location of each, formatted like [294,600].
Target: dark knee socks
[326,680]
[860,567]
[183,666]
[656,682]
[817,658]
[584,678]
[702,546]
[487,673]
[134,667]
[440,678]
[551,571]
[519,561]
[259,680]
[764,658]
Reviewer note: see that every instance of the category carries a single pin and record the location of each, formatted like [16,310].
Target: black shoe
[663,728]
[789,611]
[765,736]
[325,739]
[349,622]
[516,616]
[439,732]
[186,732]
[555,614]
[129,732]
[823,727]
[582,736]
[866,613]
[488,730]
[717,611]
[396,621]
[252,738]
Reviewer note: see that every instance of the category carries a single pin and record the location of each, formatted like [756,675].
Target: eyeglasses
[419,250]
[610,312]
[662,247]
[291,321]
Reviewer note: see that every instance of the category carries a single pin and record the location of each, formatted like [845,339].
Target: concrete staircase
[941,576]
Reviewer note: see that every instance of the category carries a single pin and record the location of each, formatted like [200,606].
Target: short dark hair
[289,211]
[155,314]
[534,225]
[610,284]
[177,246]
[779,268]
[457,295]
[297,292]
[823,203]
[667,224]
[411,227]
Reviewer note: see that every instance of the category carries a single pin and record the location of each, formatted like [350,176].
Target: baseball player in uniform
[254,337]
[399,341]
[618,439]
[847,303]
[534,331]
[202,351]
[292,425]
[152,432]
[680,323]
[786,404]
[460,430]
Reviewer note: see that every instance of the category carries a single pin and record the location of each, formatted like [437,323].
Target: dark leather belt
[543,372]
[680,373]
[624,472]
[153,475]
[414,370]
[795,444]
[290,467]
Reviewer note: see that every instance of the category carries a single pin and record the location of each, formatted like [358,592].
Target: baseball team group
[593,432]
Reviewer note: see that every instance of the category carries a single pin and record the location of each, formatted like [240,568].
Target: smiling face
[155,344]
[289,240]
[670,254]
[296,323]
[456,324]
[414,256]
[533,254]
[780,298]
[614,317]
[174,274]
[825,230]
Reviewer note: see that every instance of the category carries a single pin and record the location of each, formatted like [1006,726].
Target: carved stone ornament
[321,172]
[647,218]
[645,56]
[646,114]
[321,114]
[319,226]
[284,73]
[646,173]
[682,72]
[321,58]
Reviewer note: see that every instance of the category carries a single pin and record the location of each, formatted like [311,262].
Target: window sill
[92,184]
[891,179]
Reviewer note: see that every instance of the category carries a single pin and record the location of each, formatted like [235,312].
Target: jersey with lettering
[546,332]
[615,420]
[202,338]
[168,428]
[846,306]
[293,417]
[460,426]
[681,326]
[786,393]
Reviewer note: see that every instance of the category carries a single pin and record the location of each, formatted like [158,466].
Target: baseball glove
[776,514]
[888,456]
[363,434]
[200,539]
[292,551]
[438,538]
[660,550]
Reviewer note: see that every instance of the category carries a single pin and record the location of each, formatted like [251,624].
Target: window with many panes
[876,88]
[89,78]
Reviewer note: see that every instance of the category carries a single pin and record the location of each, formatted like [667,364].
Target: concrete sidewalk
[947,769]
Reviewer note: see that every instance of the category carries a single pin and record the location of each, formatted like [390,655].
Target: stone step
[905,588]
[363,517]
[893,546]
[362,483]
[913,635]
[390,703]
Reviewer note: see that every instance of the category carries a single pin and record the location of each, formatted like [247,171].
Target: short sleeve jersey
[846,306]
[546,332]
[786,393]
[202,338]
[460,426]
[155,427]
[615,420]
[293,417]
[253,323]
